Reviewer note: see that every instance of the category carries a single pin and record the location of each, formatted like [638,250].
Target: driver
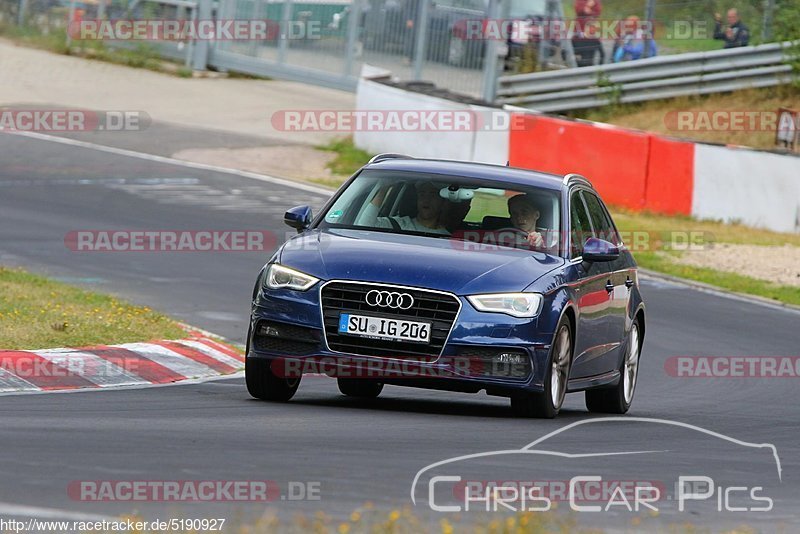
[429,209]
[524,216]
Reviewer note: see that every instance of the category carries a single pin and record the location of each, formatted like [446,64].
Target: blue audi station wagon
[454,276]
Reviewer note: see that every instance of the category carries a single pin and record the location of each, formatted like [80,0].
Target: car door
[618,279]
[592,335]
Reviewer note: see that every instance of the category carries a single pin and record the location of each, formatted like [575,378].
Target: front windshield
[480,211]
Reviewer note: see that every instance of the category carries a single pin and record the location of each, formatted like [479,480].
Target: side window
[581,228]
[603,227]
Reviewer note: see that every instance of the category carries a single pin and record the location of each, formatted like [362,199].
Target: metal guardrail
[649,79]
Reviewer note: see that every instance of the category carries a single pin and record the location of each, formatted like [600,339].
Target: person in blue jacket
[633,42]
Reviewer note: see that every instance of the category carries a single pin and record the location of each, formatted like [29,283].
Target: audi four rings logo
[390,299]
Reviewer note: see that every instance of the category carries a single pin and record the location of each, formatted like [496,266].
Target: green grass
[651,116]
[184,72]
[718,232]
[37,313]
[333,182]
[143,56]
[658,257]
[348,160]
[244,76]
[664,263]
[487,204]
[680,46]
[54,41]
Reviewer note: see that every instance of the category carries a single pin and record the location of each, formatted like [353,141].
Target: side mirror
[298,217]
[598,250]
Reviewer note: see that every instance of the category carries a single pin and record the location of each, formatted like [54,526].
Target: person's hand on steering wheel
[535,239]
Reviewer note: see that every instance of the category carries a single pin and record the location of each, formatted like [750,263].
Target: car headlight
[282,277]
[514,304]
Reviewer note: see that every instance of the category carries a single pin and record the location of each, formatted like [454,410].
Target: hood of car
[444,264]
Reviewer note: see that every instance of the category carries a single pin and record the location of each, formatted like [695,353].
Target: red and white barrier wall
[645,171]
[630,168]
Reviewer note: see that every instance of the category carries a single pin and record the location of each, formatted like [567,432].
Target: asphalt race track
[355,451]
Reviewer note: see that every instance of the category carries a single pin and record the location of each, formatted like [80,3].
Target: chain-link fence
[459,45]
[45,16]
[413,39]
[688,25]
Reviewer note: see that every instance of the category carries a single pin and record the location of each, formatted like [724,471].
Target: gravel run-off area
[780,265]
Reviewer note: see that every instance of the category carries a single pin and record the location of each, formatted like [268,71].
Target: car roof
[486,171]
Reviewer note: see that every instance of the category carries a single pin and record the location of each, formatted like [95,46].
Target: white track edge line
[648,275]
[188,381]
[172,161]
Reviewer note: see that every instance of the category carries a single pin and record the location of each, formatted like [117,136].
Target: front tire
[263,384]
[546,405]
[357,387]
[618,399]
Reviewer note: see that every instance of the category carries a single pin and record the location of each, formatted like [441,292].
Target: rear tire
[358,387]
[546,404]
[263,384]
[617,400]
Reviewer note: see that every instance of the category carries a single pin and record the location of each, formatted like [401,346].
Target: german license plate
[382,328]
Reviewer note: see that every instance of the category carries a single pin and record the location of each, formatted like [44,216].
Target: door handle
[609,286]
[628,283]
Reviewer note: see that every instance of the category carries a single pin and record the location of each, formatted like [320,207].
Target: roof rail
[573,177]
[388,155]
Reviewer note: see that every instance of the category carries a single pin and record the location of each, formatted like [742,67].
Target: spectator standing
[411,12]
[585,41]
[632,42]
[736,34]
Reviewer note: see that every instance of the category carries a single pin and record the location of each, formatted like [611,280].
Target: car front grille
[439,309]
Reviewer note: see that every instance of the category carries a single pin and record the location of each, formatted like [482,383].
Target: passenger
[524,216]
[429,209]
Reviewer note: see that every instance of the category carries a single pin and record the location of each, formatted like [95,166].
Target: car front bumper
[483,351]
